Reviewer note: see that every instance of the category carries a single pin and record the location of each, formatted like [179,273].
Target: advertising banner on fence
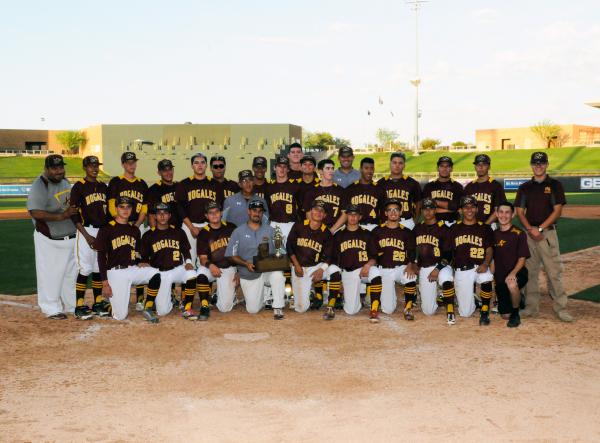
[14,190]
[512,184]
[589,183]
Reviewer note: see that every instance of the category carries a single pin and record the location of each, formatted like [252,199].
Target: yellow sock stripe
[408,304]
[375,305]
[149,304]
[152,292]
[331,302]
[485,294]
[450,308]
[204,302]
[410,291]
[188,306]
[80,286]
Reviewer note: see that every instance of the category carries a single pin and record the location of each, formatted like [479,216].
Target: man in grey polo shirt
[345,175]
[53,239]
[242,248]
[235,208]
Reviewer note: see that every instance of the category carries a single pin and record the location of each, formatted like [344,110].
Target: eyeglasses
[392,210]
[218,166]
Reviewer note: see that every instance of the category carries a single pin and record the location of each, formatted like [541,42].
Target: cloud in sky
[485,15]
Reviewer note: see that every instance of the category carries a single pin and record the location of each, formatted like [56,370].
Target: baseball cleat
[190,314]
[101,309]
[374,317]
[451,318]
[408,315]
[175,302]
[339,302]
[514,320]
[149,316]
[329,314]
[83,313]
[204,313]
[139,306]
[58,316]
[277,314]
[484,319]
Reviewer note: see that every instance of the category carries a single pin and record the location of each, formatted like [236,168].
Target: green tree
[386,136]
[551,134]
[71,141]
[459,144]
[430,143]
[322,141]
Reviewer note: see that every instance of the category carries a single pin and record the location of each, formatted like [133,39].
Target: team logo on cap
[245,174]
[165,164]
[428,203]
[468,200]
[54,160]
[91,160]
[124,200]
[127,156]
[539,157]
[259,161]
[482,158]
[256,204]
[162,207]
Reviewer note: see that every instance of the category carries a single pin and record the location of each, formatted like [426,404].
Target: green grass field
[24,168]
[589,294]
[13,203]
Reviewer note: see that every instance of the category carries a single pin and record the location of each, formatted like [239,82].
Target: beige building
[18,140]
[524,138]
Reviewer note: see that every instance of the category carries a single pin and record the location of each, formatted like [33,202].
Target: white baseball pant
[87,258]
[253,291]
[389,278]
[301,286]
[120,281]
[225,286]
[56,273]
[192,240]
[429,289]
[351,282]
[178,274]
[464,282]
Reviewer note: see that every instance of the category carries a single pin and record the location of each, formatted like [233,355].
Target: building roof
[594,104]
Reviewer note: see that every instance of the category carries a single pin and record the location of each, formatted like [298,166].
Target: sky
[318,64]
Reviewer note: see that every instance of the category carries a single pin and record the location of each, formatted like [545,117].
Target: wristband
[440,266]
[188,261]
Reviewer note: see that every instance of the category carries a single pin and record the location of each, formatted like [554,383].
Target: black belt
[349,270]
[93,226]
[166,269]
[466,267]
[120,267]
[66,237]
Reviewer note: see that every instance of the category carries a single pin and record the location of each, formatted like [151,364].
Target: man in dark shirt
[366,195]
[163,191]
[217,168]
[445,192]
[486,190]
[539,204]
[259,168]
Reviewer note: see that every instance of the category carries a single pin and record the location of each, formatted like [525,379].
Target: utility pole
[416,5]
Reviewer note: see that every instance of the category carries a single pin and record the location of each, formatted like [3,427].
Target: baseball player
[356,257]
[445,192]
[89,195]
[118,245]
[163,191]
[396,259]
[217,168]
[487,191]
[330,193]
[214,266]
[433,258]
[128,185]
[242,248]
[259,168]
[308,165]
[345,175]
[510,274]
[281,197]
[53,239]
[365,194]
[294,156]
[235,208]
[165,247]
[472,243]
[403,188]
[192,195]
[310,250]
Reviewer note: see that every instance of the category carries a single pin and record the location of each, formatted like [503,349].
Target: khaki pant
[547,253]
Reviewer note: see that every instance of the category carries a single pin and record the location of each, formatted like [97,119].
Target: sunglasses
[218,166]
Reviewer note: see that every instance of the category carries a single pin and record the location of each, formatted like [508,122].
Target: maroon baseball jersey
[469,243]
[282,199]
[310,246]
[334,198]
[117,245]
[160,192]
[539,198]
[395,246]
[92,200]
[450,191]
[260,190]
[304,188]
[488,194]
[213,243]
[509,246]
[228,187]
[432,241]
[369,198]
[165,249]
[405,189]
[135,189]
[353,248]
[192,196]
[295,175]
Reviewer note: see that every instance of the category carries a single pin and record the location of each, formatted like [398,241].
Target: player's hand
[250,266]
[364,271]
[410,271]
[194,230]
[214,270]
[69,212]
[317,275]
[298,271]
[535,234]
[511,280]
[482,268]
[433,275]
[106,289]
[144,265]
[89,239]
[189,267]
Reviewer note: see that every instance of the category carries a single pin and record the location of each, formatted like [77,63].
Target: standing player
[403,188]
[295,156]
[487,191]
[329,193]
[118,244]
[281,197]
[89,195]
[259,167]
[166,248]
[445,192]
[310,248]
[472,243]
[192,195]
[366,195]
[308,165]
[212,244]
[396,259]
[217,168]
[235,209]
[163,191]
[242,248]
[510,253]
[356,257]
[434,257]
[345,175]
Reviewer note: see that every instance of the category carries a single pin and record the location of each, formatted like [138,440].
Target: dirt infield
[14,214]
[248,378]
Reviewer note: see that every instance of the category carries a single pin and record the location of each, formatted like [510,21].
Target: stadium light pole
[416,82]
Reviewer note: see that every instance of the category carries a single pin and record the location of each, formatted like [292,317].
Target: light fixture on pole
[416,82]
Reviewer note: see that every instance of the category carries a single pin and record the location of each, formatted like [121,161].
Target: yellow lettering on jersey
[281,196]
[470,239]
[391,243]
[201,194]
[309,243]
[168,198]
[95,197]
[428,239]
[353,244]
[363,199]
[328,198]
[132,193]
[483,197]
[400,194]
[218,244]
[165,243]
[123,240]
[442,193]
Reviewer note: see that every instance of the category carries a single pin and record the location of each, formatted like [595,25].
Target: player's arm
[231,252]
[555,215]
[145,250]
[341,221]
[489,254]
[144,211]
[41,215]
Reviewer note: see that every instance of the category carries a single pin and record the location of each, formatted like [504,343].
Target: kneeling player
[212,243]
[118,245]
[309,247]
[396,258]
[433,258]
[472,246]
[356,257]
[166,248]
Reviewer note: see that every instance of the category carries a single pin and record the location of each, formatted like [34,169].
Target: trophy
[265,262]
[278,241]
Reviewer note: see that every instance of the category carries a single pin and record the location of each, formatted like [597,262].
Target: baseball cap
[54,160]
[282,160]
[217,158]
[91,160]
[259,161]
[162,207]
[482,158]
[468,200]
[165,164]
[256,204]
[345,151]
[445,159]
[401,155]
[428,203]
[197,154]
[352,209]
[308,158]
[245,174]
[318,204]
[212,205]
[123,200]
[391,201]
[128,155]
[539,157]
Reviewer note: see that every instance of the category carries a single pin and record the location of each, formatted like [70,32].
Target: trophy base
[271,263]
